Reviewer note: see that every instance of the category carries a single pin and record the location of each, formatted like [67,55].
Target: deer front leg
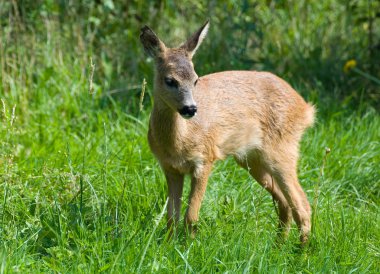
[175,186]
[199,180]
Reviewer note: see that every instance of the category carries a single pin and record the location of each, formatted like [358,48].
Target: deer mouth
[188,116]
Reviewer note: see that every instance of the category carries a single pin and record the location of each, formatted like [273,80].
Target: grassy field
[82,193]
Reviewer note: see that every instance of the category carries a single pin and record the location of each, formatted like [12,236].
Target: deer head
[175,77]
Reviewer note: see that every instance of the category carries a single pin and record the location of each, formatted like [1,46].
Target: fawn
[256,117]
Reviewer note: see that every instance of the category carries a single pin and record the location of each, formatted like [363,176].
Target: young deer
[254,116]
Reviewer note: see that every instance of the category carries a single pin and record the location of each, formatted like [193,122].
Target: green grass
[81,192]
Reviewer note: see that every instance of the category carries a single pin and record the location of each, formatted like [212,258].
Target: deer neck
[167,126]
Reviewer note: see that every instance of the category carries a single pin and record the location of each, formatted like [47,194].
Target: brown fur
[256,117]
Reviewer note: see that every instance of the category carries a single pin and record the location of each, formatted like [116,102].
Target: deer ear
[153,46]
[192,44]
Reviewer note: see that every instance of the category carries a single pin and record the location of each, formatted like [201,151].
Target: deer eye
[170,82]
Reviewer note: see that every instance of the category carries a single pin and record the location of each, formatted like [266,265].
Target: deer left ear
[192,44]
[153,46]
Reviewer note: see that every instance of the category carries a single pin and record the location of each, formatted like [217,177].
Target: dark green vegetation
[80,190]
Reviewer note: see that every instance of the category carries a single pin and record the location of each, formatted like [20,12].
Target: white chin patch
[187,116]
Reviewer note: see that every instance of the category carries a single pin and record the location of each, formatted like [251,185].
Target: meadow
[82,193]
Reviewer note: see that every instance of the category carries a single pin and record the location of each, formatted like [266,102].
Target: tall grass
[81,192]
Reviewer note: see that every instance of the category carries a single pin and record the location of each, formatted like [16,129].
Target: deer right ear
[192,44]
[153,46]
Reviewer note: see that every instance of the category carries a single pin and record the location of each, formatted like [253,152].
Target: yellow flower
[350,64]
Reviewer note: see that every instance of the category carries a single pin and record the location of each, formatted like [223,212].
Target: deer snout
[188,111]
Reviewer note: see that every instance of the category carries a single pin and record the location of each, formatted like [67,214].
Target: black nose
[188,111]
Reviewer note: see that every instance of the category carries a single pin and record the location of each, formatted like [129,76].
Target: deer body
[255,117]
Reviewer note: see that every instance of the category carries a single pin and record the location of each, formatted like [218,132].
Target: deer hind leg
[285,213]
[285,173]
[175,187]
[260,173]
